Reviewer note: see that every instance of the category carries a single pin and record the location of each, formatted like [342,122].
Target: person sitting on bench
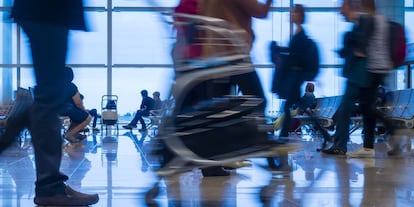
[147,104]
[306,104]
[74,109]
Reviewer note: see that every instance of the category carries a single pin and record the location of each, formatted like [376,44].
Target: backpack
[398,44]
[311,60]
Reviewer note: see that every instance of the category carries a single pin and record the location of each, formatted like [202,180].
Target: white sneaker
[362,153]
[362,163]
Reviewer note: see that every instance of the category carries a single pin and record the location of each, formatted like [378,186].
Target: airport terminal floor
[117,168]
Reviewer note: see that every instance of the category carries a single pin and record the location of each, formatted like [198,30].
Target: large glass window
[92,84]
[146,3]
[140,41]
[327,29]
[128,82]
[141,38]
[7,32]
[317,3]
[6,2]
[6,88]
[275,27]
[409,26]
[95,3]
[329,82]
[412,75]
[90,47]
[84,47]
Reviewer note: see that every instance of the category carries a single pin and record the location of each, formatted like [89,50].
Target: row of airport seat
[399,108]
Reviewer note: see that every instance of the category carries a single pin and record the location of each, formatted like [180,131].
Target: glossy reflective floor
[117,168]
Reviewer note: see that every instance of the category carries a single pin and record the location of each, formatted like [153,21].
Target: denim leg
[284,132]
[343,116]
[48,45]
[135,120]
[367,101]
[141,120]
[94,114]
[372,113]
[294,82]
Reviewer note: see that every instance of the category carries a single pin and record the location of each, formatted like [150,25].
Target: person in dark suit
[294,65]
[47,24]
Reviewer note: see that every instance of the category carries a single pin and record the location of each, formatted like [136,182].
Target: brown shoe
[74,138]
[71,137]
[81,137]
[71,198]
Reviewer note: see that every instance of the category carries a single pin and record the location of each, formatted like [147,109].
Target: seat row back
[400,108]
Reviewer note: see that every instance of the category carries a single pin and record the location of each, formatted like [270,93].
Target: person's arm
[362,33]
[78,101]
[146,104]
[255,8]
[143,106]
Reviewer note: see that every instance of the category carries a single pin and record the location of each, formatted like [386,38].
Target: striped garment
[379,59]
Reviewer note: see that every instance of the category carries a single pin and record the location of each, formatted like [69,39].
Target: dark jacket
[66,13]
[355,69]
[292,65]
[308,101]
[297,51]
[147,104]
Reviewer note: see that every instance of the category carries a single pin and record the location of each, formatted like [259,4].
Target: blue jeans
[366,98]
[138,117]
[292,89]
[48,44]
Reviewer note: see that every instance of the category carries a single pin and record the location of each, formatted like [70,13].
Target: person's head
[310,87]
[144,93]
[368,6]
[156,94]
[381,90]
[349,8]
[297,14]
[68,74]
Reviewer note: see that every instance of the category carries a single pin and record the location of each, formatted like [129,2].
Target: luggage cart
[109,111]
[208,131]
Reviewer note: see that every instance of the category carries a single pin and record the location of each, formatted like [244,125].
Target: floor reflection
[121,169]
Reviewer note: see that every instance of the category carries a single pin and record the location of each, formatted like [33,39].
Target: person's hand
[359,54]
[274,52]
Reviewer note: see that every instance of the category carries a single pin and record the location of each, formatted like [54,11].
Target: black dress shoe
[334,151]
[129,126]
[71,198]
[214,171]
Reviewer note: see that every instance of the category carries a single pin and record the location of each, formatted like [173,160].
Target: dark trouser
[138,117]
[372,113]
[48,45]
[366,97]
[94,114]
[292,94]
[249,84]
[351,95]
